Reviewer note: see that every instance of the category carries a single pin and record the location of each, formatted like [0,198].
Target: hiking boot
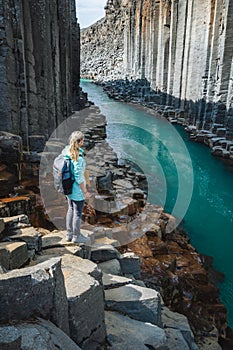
[81,239]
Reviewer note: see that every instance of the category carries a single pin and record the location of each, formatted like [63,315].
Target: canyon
[181,53]
[181,50]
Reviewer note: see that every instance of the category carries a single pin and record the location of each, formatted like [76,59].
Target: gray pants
[73,217]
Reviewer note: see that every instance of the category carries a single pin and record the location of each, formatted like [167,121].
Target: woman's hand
[87,194]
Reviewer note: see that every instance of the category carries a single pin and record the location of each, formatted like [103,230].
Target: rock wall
[182,48]
[39,65]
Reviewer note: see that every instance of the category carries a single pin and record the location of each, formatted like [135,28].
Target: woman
[79,191]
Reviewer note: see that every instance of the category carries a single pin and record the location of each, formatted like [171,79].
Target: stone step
[13,255]
[58,239]
[84,265]
[49,253]
[30,236]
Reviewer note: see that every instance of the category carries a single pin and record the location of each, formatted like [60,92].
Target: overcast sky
[89,11]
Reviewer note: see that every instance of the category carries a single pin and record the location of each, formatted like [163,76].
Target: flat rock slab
[30,236]
[140,303]
[86,308]
[15,222]
[58,239]
[13,254]
[58,252]
[104,253]
[105,241]
[112,281]
[35,291]
[126,333]
[83,265]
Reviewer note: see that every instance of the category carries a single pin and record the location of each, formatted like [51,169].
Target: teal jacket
[78,168]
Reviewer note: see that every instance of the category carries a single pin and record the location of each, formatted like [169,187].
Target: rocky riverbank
[139,93]
[104,295]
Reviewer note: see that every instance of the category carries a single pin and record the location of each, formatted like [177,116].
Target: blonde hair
[75,138]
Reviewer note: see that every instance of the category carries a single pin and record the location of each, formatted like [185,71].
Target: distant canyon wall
[39,65]
[184,48]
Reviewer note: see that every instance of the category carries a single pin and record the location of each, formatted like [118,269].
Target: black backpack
[62,175]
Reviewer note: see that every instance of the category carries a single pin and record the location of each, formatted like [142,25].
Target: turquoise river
[183,177]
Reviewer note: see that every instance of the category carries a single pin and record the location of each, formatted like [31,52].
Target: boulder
[35,291]
[130,264]
[104,253]
[125,333]
[44,335]
[142,304]
[86,308]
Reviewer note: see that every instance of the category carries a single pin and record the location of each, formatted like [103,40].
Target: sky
[89,11]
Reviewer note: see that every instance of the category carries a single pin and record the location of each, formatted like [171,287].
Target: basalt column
[38,77]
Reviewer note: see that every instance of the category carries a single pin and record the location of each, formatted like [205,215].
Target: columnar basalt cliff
[39,78]
[181,47]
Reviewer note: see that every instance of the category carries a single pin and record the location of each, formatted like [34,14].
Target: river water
[183,177]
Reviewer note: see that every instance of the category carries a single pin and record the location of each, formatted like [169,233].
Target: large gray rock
[35,291]
[130,264]
[10,338]
[111,266]
[43,335]
[86,308]
[140,303]
[104,253]
[126,333]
